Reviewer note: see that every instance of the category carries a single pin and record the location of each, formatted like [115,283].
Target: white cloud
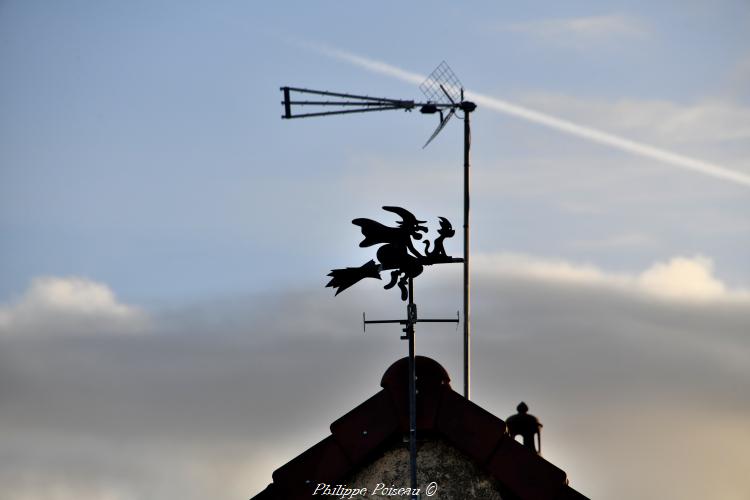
[572,30]
[686,278]
[54,305]
[665,121]
[624,240]
[588,133]
[678,279]
[588,348]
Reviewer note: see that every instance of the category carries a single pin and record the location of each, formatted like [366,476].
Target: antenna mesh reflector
[442,81]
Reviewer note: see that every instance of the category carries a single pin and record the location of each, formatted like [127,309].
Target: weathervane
[445,94]
[397,253]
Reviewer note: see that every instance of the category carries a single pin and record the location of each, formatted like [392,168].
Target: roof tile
[524,472]
[471,429]
[366,427]
[432,379]
[323,463]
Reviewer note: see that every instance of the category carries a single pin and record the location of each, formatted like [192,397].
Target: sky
[164,326]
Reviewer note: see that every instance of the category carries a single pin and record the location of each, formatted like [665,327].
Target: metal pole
[411,319]
[467,323]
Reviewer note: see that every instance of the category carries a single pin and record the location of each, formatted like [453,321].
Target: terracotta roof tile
[524,472]
[366,427]
[323,463]
[432,379]
[478,439]
[441,411]
[569,493]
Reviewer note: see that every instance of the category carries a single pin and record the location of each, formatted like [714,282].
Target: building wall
[455,476]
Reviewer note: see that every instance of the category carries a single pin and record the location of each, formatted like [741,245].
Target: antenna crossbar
[345,96]
[341,112]
[363,103]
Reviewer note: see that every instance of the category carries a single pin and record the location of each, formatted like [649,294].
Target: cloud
[687,278]
[62,490]
[587,133]
[366,63]
[618,142]
[224,392]
[682,279]
[704,122]
[55,305]
[588,29]
[617,241]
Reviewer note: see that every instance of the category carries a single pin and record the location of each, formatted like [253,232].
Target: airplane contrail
[584,132]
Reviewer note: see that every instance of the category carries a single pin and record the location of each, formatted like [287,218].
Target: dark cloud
[220,394]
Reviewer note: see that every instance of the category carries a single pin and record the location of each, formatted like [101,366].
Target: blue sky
[148,185]
[140,141]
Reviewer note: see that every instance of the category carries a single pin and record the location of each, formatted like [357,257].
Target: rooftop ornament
[527,426]
[399,255]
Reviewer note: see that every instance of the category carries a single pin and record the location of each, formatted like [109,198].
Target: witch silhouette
[396,254]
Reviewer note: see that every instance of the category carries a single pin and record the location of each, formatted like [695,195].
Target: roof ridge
[441,411]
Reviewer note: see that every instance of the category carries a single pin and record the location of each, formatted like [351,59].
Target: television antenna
[445,97]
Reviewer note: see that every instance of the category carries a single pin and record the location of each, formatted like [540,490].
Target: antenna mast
[443,86]
[444,93]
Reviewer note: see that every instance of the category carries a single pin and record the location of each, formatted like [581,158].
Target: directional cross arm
[340,104]
[342,112]
[451,320]
[407,322]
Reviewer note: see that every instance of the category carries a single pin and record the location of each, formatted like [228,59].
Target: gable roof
[441,411]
